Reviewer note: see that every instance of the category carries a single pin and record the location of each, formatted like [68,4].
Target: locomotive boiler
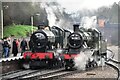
[43,44]
[81,40]
[41,40]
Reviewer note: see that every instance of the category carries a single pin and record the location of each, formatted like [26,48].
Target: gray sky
[74,5]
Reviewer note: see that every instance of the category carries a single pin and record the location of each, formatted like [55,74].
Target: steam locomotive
[43,45]
[82,40]
[46,42]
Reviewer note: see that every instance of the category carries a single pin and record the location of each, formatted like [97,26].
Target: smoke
[89,22]
[50,14]
[82,59]
[53,14]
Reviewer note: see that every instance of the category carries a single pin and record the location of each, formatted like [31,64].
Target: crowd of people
[12,46]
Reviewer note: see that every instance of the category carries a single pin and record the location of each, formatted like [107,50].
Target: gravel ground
[107,72]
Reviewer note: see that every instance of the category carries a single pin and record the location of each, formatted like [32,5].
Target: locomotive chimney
[41,26]
[76,27]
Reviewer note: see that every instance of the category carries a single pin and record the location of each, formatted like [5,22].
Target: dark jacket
[14,48]
[5,44]
[23,45]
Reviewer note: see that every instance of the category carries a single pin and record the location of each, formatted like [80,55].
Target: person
[18,45]
[14,47]
[6,47]
[9,42]
[23,45]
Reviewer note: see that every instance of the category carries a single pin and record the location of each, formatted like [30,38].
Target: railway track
[50,74]
[16,75]
[113,63]
[38,74]
[5,74]
[59,74]
[47,75]
[24,74]
[12,72]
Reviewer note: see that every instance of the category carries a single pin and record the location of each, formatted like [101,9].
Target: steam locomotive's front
[75,40]
[42,45]
[39,43]
[40,40]
[81,40]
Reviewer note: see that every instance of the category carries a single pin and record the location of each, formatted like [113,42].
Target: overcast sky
[74,5]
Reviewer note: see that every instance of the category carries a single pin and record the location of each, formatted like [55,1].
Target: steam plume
[80,61]
[89,22]
[82,58]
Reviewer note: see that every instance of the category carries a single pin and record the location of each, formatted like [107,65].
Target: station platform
[11,57]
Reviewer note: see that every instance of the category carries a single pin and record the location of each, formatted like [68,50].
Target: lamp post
[32,23]
[37,14]
[1,11]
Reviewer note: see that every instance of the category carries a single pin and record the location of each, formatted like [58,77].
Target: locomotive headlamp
[40,36]
[75,37]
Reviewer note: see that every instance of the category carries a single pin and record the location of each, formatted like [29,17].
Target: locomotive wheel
[95,64]
[91,65]
[67,68]
[26,65]
[59,63]
[50,64]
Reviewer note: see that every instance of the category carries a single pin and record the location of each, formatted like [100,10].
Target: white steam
[88,22]
[82,59]
[50,14]
[53,14]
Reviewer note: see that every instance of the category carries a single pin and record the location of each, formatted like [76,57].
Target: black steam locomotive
[43,44]
[81,40]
